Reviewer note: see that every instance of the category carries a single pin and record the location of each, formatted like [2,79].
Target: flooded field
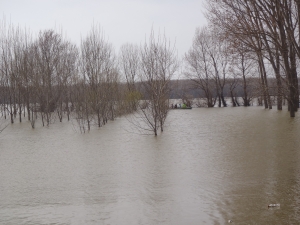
[209,166]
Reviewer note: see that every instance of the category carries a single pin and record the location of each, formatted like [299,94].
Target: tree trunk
[232,99]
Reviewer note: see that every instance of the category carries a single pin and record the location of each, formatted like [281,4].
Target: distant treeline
[180,88]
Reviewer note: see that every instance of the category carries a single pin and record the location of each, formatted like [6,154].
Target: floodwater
[209,166]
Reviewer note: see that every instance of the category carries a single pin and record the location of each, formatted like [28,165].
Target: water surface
[209,166]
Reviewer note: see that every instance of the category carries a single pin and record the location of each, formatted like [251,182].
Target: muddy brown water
[209,166]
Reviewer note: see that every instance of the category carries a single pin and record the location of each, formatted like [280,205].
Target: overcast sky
[123,21]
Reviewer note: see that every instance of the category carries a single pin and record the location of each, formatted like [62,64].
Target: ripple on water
[209,165]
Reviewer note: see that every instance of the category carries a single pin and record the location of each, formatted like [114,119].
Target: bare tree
[129,60]
[237,22]
[66,69]
[158,65]
[47,53]
[199,68]
[271,29]
[243,68]
[98,68]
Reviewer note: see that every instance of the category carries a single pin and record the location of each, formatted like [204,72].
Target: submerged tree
[99,76]
[158,65]
[199,68]
[270,29]
[243,70]
[129,61]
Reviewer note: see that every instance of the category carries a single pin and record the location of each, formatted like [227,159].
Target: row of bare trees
[49,78]
[246,43]
[215,66]
[245,39]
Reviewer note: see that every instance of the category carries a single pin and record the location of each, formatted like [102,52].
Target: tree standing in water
[158,64]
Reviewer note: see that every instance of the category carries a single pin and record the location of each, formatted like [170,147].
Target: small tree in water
[152,65]
[158,65]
